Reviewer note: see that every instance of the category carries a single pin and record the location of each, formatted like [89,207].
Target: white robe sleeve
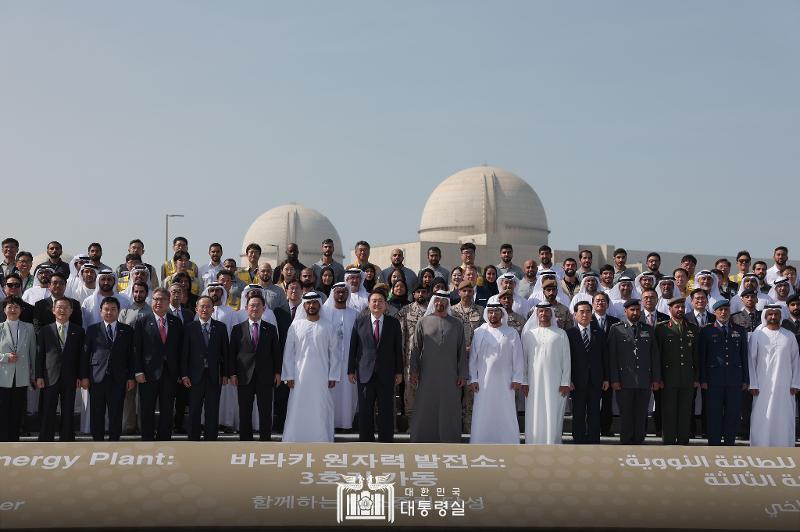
[752,355]
[525,357]
[517,361]
[473,357]
[566,364]
[289,356]
[334,360]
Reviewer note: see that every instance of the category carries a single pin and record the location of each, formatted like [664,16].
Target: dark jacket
[266,358]
[102,359]
[588,367]
[54,363]
[633,356]
[150,352]
[43,313]
[384,359]
[723,357]
[680,358]
[196,355]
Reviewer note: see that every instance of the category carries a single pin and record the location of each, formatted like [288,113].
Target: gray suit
[15,377]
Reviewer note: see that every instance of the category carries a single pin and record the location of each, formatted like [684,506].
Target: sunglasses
[13,285]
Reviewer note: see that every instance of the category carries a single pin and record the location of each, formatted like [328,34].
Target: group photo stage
[232,484]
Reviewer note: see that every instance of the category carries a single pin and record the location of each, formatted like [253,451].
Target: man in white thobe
[342,319]
[310,369]
[359,298]
[496,372]
[774,381]
[547,379]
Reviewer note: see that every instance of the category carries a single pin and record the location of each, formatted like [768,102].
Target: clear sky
[638,123]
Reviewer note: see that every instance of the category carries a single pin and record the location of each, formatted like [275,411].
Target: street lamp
[166,233]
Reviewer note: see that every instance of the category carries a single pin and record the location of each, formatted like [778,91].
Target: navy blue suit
[723,367]
[589,368]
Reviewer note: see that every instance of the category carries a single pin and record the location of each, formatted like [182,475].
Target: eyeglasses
[13,285]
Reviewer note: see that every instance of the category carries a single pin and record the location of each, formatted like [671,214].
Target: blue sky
[652,118]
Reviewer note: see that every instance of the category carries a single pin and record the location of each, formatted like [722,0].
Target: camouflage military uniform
[472,318]
[409,316]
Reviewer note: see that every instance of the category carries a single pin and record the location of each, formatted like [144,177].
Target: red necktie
[377,332]
[162,329]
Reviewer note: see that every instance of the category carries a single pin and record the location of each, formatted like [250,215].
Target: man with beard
[635,370]
[780,256]
[497,370]
[774,381]
[310,369]
[409,316]
[343,320]
[105,288]
[723,375]
[308,282]
[560,313]
[621,293]
[620,267]
[606,278]
[546,261]
[530,270]
[779,293]
[327,248]
[397,264]
[54,252]
[95,252]
[750,282]
[585,258]
[667,291]
[439,369]
[43,309]
[505,265]
[760,269]
[515,321]
[358,294]
[434,256]
[273,294]
[677,342]
[208,272]
[569,283]
[652,264]
[41,287]
[587,290]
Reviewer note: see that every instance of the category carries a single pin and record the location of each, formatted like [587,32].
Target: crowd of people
[305,350]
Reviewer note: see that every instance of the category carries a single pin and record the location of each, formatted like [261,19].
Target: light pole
[166,233]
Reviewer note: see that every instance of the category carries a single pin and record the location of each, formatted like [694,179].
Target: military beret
[720,303]
[631,303]
[464,284]
[676,300]
[748,292]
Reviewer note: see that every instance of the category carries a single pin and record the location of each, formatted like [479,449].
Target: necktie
[294,310]
[377,333]
[724,330]
[110,333]
[753,322]
[206,332]
[177,314]
[586,338]
[602,323]
[651,319]
[701,319]
[254,335]
[162,329]
[61,339]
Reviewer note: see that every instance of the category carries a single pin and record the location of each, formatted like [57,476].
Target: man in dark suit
[677,342]
[604,321]
[376,363]
[589,373]
[58,353]
[748,319]
[185,315]
[257,360]
[204,366]
[651,316]
[792,324]
[158,339]
[43,309]
[634,369]
[107,369]
[724,374]
[13,287]
[699,314]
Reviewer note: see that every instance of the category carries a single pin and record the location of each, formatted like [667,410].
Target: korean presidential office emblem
[355,502]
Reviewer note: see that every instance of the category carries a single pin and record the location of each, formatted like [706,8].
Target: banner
[271,484]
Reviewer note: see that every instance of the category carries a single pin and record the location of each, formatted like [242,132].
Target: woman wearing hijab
[326,280]
[490,276]
[369,278]
[398,298]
